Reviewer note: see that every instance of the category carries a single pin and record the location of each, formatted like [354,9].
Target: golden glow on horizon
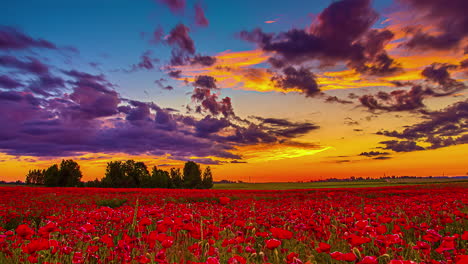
[267,152]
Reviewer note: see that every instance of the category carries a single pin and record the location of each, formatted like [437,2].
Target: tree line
[124,174]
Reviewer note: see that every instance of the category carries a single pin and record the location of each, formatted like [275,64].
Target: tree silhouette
[176,178]
[69,174]
[36,177]
[207,181]
[124,174]
[51,176]
[115,174]
[192,175]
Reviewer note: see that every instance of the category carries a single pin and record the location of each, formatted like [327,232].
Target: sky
[261,91]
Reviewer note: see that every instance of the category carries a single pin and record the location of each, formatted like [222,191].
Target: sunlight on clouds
[265,152]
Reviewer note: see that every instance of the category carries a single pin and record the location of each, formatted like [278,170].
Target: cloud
[179,36]
[401,146]
[146,62]
[238,161]
[45,84]
[297,79]
[412,99]
[91,98]
[32,65]
[203,60]
[176,6]
[175,74]
[205,81]
[160,84]
[200,18]
[206,161]
[341,33]
[182,43]
[208,101]
[373,153]
[12,39]
[286,128]
[9,83]
[438,72]
[209,125]
[448,20]
[382,158]
[49,111]
[441,129]
[397,100]
[95,119]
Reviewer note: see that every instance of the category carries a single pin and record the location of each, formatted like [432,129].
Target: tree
[207,181]
[114,176]
[192,175]
[35,177]
[70,174]
[176,178]
[135,173]
[126,174]
[51,176]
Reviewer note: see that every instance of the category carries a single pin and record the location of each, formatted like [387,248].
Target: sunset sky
[259,90]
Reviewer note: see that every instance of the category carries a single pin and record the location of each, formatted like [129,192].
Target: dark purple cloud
[160,84]
[210,125]
[179,37]
[406,100]
[440,129]
[205,81]
[206,161]
[252,134]
[175,74]
[139,111]
[332,38]
[45,128]
[373,153]
[141,131]
[32,65]
[12,39]
[200,18]
[401,146]
[398,100]
[46,84]
[182,45]
[301,79]
[341,34]
[146,62]
[285,128]
[203,60]
[449,18]
[208,102]
[382,158]
[176,6]
[94,118]
[92,97]
[8,83]
[238,161]
[438,73]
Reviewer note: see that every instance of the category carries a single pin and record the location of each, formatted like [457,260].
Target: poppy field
[397,225]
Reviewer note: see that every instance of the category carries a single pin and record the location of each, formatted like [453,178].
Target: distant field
[314,185]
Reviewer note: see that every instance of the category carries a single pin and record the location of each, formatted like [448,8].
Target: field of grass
[315,185]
